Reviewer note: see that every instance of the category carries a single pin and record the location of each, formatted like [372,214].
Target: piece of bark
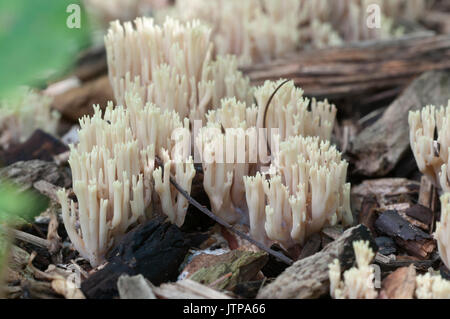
[154,249]
[400,284]
[421,213]
[77,102]
[445,272]
[27,173]
[393,225]
[333,232]
[437,20]
[385,190]
[415,241]
[369,212]
[311,246]
[308,278]
[391,263]
[134,287]
[379,148]
[39,146]
[386,245]
[242,265]
[417,223]
[357,69]
[249,289]
[187,289]
[274,267]
[426,192]
[47,189]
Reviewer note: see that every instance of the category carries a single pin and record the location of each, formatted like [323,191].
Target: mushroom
[173,203]
[306,191]
[111,196]
[442,234]
[113,170]
[289,113]
[171,66]
[430,286]
[358,281]
[255,31]
[431,155]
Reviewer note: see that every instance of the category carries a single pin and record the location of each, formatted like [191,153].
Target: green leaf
[36,41]
[17,205]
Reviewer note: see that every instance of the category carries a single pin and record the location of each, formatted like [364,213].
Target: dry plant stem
[219,220]
[28,238]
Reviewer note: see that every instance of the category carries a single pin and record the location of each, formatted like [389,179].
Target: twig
[28,238]
[222,222]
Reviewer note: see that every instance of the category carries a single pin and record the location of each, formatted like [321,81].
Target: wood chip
[400,284]
[187,289]
[134,287]
[308,278]
[380,147]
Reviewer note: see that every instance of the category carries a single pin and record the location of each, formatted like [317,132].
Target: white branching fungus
[108,180]
[23,113]
[358,281]
[289,111]
[432,156]
[255,31]
[347,20]
[171,66]
[225,161]
[306,192]
[112,172]
[259,31]
[432,287]
[442,233]
[233,114]
[173,203]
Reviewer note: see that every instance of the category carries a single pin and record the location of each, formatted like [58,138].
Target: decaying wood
[415,241]
[155,250]
[420,216]
[385,191]
[47,189]
[358,68]
[227,270]
[78,101]
[386,245]
[311,246]
[187,289]
[27,173]
[427,192]
[400,284]
[369,212]
[308,278]
[391,263]
[379,148]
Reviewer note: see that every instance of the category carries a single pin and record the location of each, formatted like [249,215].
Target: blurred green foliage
[35,41]
[17,206]
[36,44]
